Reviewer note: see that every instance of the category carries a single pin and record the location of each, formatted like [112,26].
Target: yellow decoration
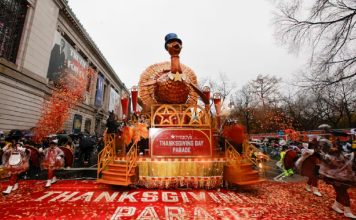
[140,130]
[175,168]
[127,133]
[177,77]
[180,116]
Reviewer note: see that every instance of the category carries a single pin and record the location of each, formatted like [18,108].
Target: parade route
[124,110]
[86,199]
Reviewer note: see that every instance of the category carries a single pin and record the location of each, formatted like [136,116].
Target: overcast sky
[219,36]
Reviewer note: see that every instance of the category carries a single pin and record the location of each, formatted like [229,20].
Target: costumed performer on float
[339,169]
[16,161]
[53,160]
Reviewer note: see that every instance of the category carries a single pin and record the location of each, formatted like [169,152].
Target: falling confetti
[69,91]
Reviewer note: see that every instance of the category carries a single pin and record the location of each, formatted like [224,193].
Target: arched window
[12,18]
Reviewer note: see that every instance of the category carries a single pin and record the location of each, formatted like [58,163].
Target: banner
[117,106]
[113,98]
[99,91]
[175,142]
[115,102]
[64,58]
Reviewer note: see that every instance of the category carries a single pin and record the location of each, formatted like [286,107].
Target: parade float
[185,139]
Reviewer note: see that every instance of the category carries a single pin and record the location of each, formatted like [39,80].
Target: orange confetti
[69,92]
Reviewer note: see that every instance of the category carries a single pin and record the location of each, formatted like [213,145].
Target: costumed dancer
[53,160]
[338,169]
[286,171]
[281,164]
[16,161]
[312,183]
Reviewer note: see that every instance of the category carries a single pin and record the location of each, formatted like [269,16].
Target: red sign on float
[175,142]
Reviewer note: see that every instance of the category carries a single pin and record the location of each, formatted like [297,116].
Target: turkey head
[170,86]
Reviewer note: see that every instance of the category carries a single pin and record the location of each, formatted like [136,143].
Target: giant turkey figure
[169,82]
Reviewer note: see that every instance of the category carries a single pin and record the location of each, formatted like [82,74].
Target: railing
[179,116]
[250,152]
[231,153]
[107,154]
[255,155]
[131,160]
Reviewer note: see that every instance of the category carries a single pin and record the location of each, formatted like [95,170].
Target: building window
[87,126]
[77,124]
[88,83]
[12,19]
[105,93]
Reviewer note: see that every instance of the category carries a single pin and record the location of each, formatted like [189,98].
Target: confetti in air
[69,91]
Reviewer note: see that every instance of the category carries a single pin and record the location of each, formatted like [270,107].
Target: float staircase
[240,169]
[242,174]
[112,170]
[117,174]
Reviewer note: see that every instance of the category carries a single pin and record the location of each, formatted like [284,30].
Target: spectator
[65,140]
[112,124]
[2,139]
[86,146]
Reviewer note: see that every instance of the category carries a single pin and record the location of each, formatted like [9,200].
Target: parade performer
[16,161]
[338,169]
[235,134]
[53,160]
[309,170]
[286,170]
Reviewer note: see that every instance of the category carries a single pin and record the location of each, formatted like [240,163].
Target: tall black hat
[171,37]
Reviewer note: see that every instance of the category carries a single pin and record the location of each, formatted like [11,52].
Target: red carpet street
[86,199]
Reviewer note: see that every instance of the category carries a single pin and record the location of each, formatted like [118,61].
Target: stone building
[37,39]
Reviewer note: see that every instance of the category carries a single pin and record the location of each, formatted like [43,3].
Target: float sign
[170,142]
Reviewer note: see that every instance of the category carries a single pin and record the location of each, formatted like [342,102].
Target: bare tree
[244,105]
[348,99]
[266,89]
[257,105]
[335,103]
[223,85]
[328,27]
[298,109]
